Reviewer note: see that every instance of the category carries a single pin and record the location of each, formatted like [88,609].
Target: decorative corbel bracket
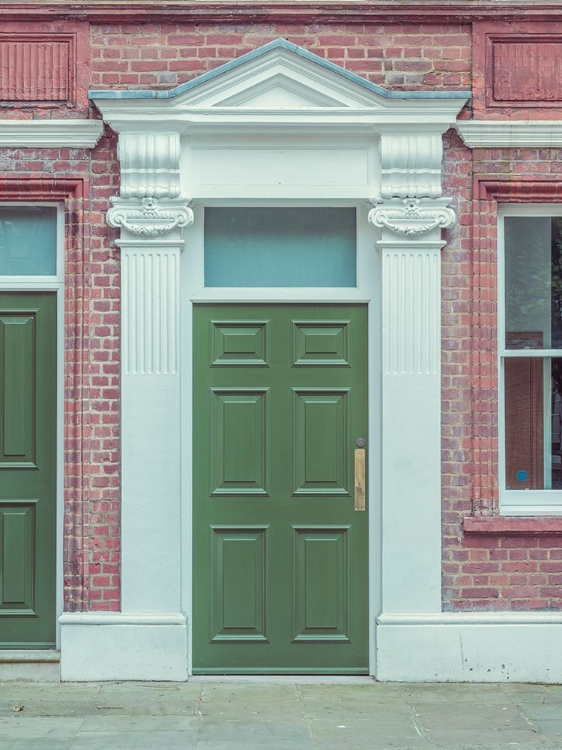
[412,217]
[150,203]
[411,203]
[411,165]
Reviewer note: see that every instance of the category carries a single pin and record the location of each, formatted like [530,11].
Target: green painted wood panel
[280,556]
[321,584]
[18,559]
[238,584]
[17,333]
[239,465]
[27,469]
[321,442]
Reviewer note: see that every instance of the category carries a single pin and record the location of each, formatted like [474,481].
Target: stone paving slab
[278,714]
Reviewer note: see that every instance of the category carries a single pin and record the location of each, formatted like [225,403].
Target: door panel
[280,554]
[238,585]
[27,469]
[321,584]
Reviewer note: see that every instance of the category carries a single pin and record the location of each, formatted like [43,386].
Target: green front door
[280,554]
[28,439]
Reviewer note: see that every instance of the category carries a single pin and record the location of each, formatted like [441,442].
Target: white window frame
[39,281]
[547,502]
[366,282]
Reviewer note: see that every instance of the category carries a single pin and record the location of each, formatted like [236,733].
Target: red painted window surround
[489,191]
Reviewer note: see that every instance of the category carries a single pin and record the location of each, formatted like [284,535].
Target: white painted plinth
[97,647]
[479,647]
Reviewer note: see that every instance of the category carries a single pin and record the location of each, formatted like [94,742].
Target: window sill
[511,525]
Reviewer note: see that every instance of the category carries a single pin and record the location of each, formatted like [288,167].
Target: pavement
[277,714]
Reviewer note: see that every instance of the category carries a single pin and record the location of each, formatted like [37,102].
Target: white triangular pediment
[279,92]
[277,79]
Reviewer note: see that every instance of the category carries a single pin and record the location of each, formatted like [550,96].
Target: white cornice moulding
[50,133]
[412,119]
[509,134]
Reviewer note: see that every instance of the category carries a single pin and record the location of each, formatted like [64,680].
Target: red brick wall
[91,555]
[487,568]
[137,56]
[479,571]
[103,370]
[91,360]
[407,55]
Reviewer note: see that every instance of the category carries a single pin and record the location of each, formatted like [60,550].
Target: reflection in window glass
[28,241]
[280,247]
[533,282]
[533,423]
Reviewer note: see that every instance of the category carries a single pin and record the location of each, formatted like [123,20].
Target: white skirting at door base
[97,646]
[471,647]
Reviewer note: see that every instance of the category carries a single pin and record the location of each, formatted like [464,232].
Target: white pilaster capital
[149,217]
[412,217]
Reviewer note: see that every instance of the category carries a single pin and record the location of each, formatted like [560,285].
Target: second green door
[28,440]
[280,551]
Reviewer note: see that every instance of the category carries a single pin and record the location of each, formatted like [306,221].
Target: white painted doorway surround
[278,126]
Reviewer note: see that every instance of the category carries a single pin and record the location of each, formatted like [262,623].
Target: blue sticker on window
[522,476]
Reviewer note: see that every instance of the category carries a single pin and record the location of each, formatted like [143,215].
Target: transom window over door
[531,349]
[28,241]
[280,247]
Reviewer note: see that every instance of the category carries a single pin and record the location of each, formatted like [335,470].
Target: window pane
[28,241]
[533,423]
[533,282]
[277,247]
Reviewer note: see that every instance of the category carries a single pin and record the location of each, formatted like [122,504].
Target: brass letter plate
[359,479]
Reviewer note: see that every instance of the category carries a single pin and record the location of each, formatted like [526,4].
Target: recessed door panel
[241,343]
[28,438]
[238,594]
[323,343]
[18,558]
[321,442]
[17,335]
[239,448]
[280,555]
[321,584]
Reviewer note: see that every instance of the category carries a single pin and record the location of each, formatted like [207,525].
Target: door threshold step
[29,665]
[285,679]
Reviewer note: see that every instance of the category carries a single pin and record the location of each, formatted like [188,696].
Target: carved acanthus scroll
[151,218]
[412,217]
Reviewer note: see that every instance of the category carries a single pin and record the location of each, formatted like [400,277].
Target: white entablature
[278,123]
